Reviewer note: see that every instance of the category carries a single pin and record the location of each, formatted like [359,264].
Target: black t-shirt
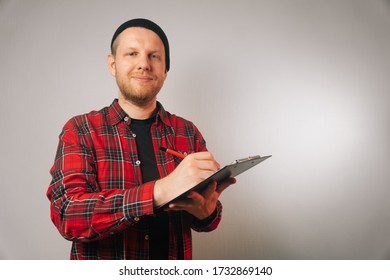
[158,234]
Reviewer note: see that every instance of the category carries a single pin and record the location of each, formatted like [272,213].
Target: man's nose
[144,63]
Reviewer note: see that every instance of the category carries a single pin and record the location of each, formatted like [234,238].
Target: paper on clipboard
[229,171]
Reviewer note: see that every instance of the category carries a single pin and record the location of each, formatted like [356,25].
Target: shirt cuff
[205,222]
[138,201]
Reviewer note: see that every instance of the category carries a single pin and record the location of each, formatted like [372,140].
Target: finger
[211,188]
[203,155]
[179,206]
[223,185]
[210,165]
[196,197]
[205,160]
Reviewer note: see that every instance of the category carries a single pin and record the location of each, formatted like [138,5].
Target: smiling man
[138,63]
[110,176]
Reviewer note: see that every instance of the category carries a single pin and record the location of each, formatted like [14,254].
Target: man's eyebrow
[149,51]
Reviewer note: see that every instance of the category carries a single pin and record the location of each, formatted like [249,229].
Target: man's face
[138,65]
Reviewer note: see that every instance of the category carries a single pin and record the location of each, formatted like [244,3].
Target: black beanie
[145,23]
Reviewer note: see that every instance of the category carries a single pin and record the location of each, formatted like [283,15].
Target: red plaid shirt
[98,199]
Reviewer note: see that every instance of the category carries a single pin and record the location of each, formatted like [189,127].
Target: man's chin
[140,101]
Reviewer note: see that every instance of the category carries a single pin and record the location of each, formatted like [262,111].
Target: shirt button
[147,237]
[126,118]
[138,162]
[136,219]
[134,135]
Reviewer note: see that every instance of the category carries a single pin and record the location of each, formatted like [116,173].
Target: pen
[172,152]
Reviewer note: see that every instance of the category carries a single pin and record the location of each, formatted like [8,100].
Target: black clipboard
[229,171]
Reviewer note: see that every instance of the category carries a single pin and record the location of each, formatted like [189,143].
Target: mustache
[142,75]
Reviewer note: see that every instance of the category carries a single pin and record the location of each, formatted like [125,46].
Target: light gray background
[305,81]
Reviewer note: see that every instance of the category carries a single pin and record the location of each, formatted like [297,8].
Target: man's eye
[132,54]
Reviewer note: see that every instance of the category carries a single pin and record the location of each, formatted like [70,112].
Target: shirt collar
[117,114]
[163,115]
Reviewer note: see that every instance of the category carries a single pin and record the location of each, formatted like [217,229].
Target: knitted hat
[145,23]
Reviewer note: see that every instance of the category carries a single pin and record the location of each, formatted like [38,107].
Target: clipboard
[229,171]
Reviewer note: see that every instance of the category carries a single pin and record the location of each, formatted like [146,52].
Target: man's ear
[111,64]
[166,74]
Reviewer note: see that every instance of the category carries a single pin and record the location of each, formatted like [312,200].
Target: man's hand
[202,205]
[193,169]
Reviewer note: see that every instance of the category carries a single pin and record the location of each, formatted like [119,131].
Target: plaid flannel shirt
[98,199]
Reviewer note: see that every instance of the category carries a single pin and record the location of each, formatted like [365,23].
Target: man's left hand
[202,205]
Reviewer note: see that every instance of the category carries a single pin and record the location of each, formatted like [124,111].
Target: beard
[138,95]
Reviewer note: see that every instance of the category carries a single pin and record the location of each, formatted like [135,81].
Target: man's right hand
[193,169]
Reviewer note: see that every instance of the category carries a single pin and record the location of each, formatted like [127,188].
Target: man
[110,176]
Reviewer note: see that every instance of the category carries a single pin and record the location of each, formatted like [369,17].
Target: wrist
[159,192]
[207,220]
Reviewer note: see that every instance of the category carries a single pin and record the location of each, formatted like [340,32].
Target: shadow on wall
[386,256]
[388,3]
[3,3]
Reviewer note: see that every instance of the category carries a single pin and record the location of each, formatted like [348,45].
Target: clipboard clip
[245,159]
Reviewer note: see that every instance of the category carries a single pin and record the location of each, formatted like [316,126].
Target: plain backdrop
[306,81]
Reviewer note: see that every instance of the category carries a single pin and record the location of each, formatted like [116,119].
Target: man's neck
[138,112]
